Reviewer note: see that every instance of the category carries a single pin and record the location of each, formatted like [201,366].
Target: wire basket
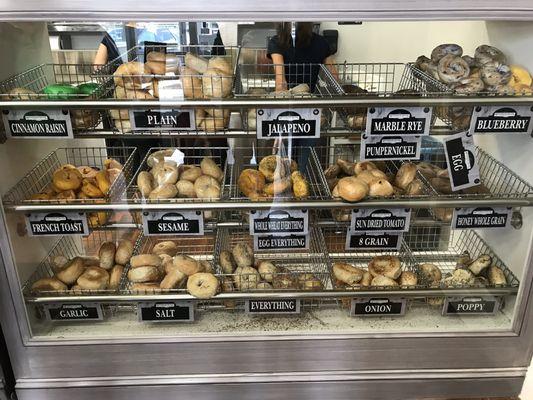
[308,165]
[171,81]
[34,81]
[201,248]
[70,247]
[301,270]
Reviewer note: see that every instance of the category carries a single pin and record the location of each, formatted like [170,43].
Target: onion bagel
[389,266]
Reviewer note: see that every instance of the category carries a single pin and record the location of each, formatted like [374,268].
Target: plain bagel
[203,285]
[70,273]
[94,278]
[347,273]
[352,189]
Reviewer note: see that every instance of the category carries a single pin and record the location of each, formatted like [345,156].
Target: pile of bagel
[244,272]
[353,181]
[83,183]
[276,176]
[102,272]
[166,179]
[164,269]
[200,79]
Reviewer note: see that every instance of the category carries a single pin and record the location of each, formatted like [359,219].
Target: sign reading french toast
[166,311]
[498,119]
[35,124]
[380,220]
[272,306]
[74,312]
[373,240]
[390,147]
[57,224]
[481,217]
[298,123]
[281,242]
[271,222]
[384,121]
[471,305]
[162,120]
[173,223]
[462,166]
[376,307]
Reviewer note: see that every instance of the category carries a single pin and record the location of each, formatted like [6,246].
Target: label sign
[272,306]
[281,243]
[162,120]
[462,165]
[378,307]
[498,119]
[173,223]
[481,217]
[296,123]
[74,312]
[373,241]
[380,220]
[471,305]
[56,224]
[390,147]
[166,311]
[279,221]
[37,124]
[398,121]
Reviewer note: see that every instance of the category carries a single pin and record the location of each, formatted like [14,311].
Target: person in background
[107,51]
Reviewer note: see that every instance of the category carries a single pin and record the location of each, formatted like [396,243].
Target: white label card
[298,123]
[37,124]
[272,222]
[380,220]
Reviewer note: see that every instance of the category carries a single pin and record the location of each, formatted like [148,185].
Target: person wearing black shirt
[107,51]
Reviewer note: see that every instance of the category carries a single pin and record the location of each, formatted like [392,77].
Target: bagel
[226,262]
[48,285]
[371,175]
[273,168]
[124,252]
[347,273]
[107,255]
[452,69]
[263,286]
[142,260]
[87,172]
[246,278]
[191,173]
[307,281]
[430,272]
[366,280]
[486,53]
[520,76]
[446,49]
[203,285]
[346,166]
[470,85]
[185,189]
[103,182]
[144,274]
[173,280]
[159,157]
[460,277]
[93,278]
[415,188]
[479,264]
[198,64]
[166,247]
[67,179]
[58,262]
[267,270]
[352,189]
[381,280]
[216,84]
[496,276]
[284,280]
[192,84]
[332,171]
[166,191]
[251,181]
[70,272]
[243,255]
[188,265]
[380,188]
[427,170]
[300,186]
[207,187]
[278,187]
[206,266]
[495,74]
[166,173]
[408,278]
[210,167]
[115,276]
[132,75]
[441,185]
[405,175]
[364,166]
[422,63]
[91,190]
[389,266]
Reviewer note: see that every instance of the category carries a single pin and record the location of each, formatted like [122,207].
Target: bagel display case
[205,230]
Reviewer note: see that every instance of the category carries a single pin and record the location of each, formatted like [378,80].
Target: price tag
[272,306]
[57,224]
[390,147]
[481,217]
[300,123]
[162,120]
[378,307]
[281,242]
[380,220]
[34,124]
[166,311]
[398,121]
[170,89]
[74,312]
[271,222]
[173,223]
[501,119]
[373,240]
[462,165]
[471,306]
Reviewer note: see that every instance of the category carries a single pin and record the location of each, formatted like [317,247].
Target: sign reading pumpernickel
[73,312]
[57,224]
[471,305]
[281,242]
[162,120]
[373,240]
[166,311]
[390,147]
[462,166]
[173,223]
[272,306]
[37,124]
[498,119]
[297,123]
[398,121]
[380,220]
[481,217]
[279,221]
[378,307]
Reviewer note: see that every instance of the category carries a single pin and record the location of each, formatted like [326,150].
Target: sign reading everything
[373,240]
[471,305]
[162,120]
[498,119]
[281,242]
[279,222]
[462,165]
[378,307]
[57,224]
[398,121]
[296,123]
[390,147]
[73,312]
[37,124]
[481,217]
[380,220]
[166,311]
[272,306]
[173,223]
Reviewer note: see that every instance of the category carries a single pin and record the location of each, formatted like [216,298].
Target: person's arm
[101,56]
[279,70]
[329,65]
